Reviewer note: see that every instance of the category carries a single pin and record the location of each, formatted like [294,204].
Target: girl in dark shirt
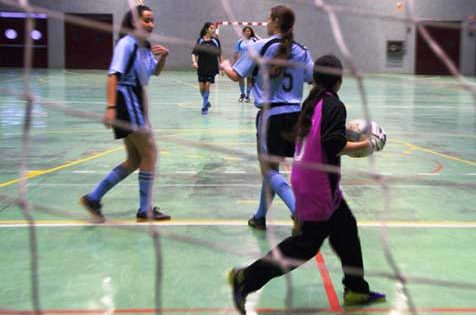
[206,56]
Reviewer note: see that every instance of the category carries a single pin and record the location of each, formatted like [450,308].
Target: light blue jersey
[241,45]
[285,89]
[144,65]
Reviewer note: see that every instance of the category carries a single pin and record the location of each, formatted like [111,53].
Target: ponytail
[286,19]
[304,122]
[327,73]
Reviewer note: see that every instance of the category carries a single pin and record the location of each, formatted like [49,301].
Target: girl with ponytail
[278,81]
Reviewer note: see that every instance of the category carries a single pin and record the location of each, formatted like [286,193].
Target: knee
[150,155]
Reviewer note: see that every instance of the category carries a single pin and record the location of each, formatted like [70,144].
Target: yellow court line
[446,156]
[36,173]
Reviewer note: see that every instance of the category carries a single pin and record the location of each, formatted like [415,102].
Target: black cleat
[259,224]
[94,208]
[156,215]
[247,99]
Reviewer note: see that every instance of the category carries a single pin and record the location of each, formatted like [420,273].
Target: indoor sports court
[414,200]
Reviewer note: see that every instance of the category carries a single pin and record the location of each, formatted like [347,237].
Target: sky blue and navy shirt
[144,65]
[285,89]
[241,45]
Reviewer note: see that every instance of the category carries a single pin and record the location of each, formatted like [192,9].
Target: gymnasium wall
[366,37]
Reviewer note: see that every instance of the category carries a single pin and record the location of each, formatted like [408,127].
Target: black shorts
[129,109]
[206,78]
[279,133]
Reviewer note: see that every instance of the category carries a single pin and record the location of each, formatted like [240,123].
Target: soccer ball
[360,130]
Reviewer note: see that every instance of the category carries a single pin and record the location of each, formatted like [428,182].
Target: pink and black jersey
[318,192]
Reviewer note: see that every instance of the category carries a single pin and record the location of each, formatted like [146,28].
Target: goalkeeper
[320,206]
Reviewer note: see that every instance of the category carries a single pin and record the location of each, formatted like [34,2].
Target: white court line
[225,223]
[283,172]
[158,185]
[186,172]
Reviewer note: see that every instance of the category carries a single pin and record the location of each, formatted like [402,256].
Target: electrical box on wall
[395,53]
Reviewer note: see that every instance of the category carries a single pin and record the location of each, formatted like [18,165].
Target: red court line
[328,286]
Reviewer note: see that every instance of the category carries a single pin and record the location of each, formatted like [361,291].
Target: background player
[248,37]
[133,63]
[206,56]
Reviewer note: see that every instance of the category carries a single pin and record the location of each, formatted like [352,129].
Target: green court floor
[421,223]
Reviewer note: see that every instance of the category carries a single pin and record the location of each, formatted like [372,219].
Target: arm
[163,52]
[195,56]
[220,56]
[194,62]
[333,130]
[355,146]
[110,113]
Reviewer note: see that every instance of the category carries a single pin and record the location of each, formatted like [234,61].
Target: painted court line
[33,174]
[446,156]
[327,283]
[224,223]
[224,310]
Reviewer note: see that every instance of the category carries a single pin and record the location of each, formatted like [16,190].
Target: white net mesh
[334,13]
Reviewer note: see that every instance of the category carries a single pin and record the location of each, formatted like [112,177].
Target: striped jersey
[288,87]
[141,68]
[241,45]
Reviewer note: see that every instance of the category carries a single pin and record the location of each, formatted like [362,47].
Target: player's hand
[194,65]
[160,50]
[109,116]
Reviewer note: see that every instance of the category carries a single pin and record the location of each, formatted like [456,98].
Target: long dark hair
[205,27]
[286,19]
[127,23]
[251,30]
[326,73]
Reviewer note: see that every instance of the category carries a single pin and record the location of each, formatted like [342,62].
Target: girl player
[279,104]
[206,56]
[133,62]
[248,37]
[320,206]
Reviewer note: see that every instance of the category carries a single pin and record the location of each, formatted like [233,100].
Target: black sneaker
[209,105]
[94,208]
[204,111]
[242,97]
[141,216]
[235,279]
[247,99]
[259,224]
